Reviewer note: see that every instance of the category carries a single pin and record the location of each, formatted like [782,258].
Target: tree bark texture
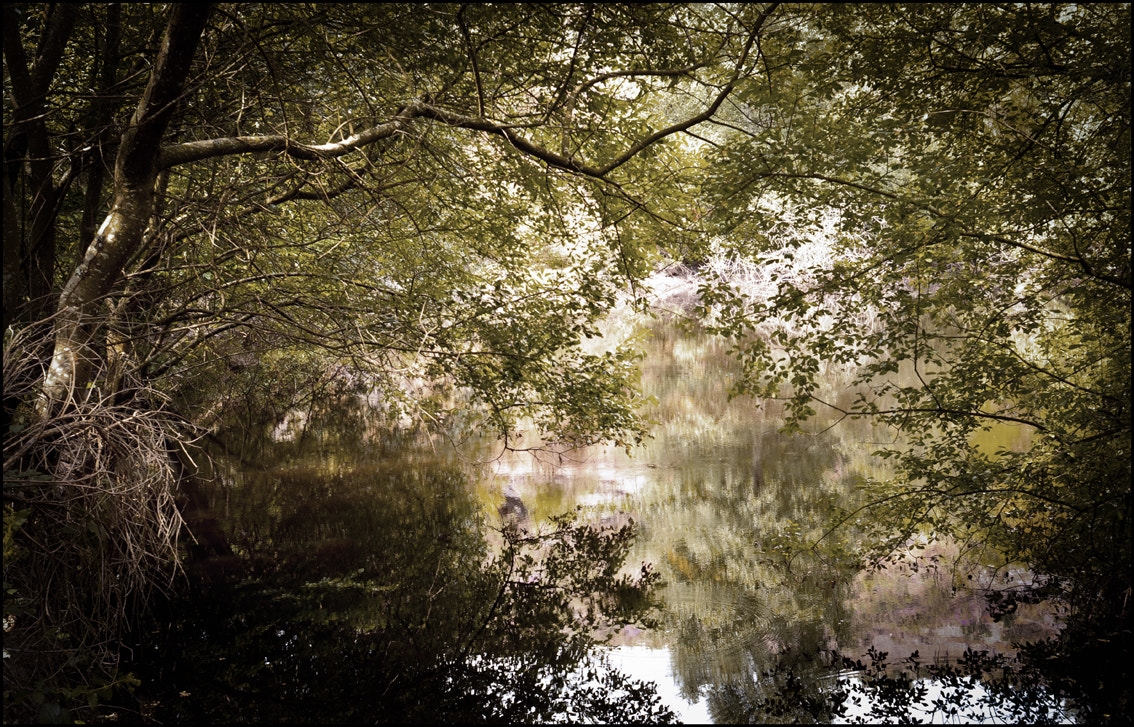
[29,254]
[122,232]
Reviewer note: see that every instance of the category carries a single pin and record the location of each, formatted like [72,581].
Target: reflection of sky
[646,664]
[978,715]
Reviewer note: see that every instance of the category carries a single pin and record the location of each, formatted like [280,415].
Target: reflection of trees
[733,522]
[758,610]
[739,603]
[373,596]
[979,687]
[802,692]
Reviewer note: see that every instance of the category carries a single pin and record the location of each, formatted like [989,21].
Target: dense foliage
[978,160]
[219,216]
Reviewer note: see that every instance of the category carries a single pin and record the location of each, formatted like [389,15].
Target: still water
[348,532]
[722,496]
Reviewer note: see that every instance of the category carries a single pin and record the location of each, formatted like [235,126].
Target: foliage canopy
[445,193]
[215,216]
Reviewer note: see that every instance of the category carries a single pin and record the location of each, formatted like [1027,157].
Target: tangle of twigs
[93,490]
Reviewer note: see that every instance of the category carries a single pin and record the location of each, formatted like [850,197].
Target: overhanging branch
[177,154]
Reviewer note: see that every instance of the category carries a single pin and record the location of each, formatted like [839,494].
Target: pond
[370,582]
[722,496]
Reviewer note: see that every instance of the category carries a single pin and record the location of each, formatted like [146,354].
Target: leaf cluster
[975,163]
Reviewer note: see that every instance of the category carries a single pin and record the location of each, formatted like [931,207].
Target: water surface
[724,499]
[348,529]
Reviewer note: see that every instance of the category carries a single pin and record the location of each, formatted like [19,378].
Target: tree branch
[177,154]
[1085,265]
[704,115]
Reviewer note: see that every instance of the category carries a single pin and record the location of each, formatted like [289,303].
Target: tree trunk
[29,253]
[75,361]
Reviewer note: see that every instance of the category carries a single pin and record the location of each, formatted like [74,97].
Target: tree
[510,108]
[428,204]
[977,159]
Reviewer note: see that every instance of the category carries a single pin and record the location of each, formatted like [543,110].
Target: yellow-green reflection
[735,516]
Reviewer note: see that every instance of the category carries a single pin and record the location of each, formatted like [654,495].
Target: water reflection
[388,580]
[761,602]
[370,593]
